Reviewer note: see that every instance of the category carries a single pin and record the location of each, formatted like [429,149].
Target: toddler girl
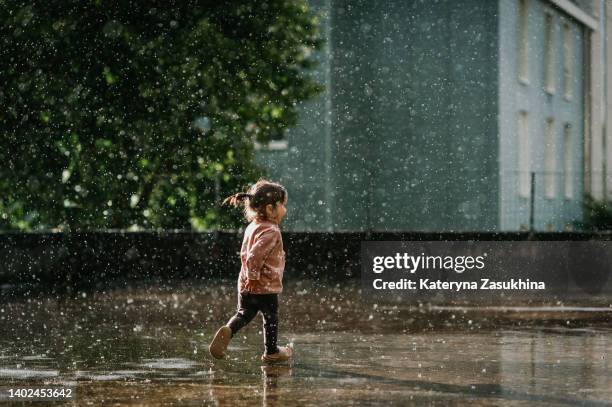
[263,264]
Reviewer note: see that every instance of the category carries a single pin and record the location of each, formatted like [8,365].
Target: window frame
[568,55]
[550,52]
[523,42]
[524,155]
[550,159]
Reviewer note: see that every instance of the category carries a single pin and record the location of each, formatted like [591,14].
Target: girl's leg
[247,309]
[268,305]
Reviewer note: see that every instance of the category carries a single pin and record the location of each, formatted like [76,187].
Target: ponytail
[262,193]
[236,199]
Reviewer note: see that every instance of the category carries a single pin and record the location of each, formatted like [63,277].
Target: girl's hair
[260,194]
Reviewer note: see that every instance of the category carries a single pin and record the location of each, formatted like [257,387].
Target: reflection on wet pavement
[148,346]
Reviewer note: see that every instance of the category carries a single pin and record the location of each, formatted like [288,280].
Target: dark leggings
[248,305]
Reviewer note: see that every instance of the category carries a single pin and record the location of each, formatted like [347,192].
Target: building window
[524,158]
[567,61]
[523,41]
[568,170]
[550,162]
[549,52]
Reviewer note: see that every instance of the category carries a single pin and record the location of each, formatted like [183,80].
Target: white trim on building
[576,12]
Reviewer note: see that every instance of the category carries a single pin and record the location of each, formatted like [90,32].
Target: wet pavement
[147,346]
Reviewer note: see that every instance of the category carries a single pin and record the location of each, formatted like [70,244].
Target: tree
[143,114]
[597,214]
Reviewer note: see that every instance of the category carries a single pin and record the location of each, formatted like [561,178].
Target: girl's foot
[284,353]
[220,341]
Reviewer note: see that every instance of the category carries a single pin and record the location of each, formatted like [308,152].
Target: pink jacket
[263,258]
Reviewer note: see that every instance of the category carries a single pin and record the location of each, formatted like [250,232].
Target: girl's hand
[250,284]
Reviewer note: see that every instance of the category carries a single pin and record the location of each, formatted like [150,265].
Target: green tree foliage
[143,114]
[598,214]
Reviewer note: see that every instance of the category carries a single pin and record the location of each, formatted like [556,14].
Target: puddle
[346,352]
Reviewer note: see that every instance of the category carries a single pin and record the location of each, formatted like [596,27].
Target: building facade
[470,115]
[541,115]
